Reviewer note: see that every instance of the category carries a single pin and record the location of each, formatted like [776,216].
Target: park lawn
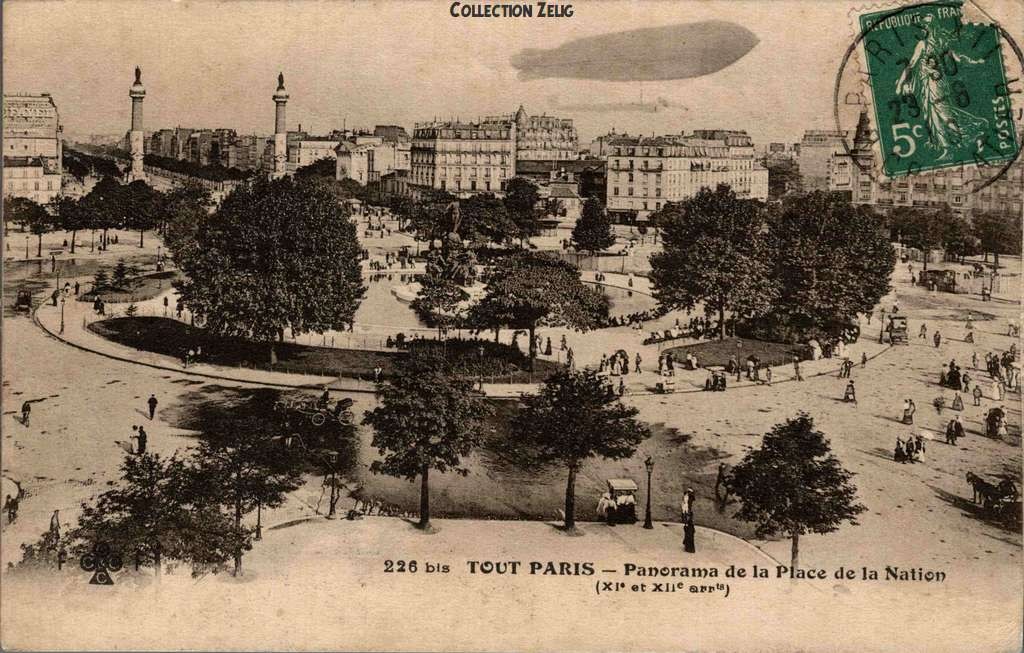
[150,285]
[716,353]
[497,485]
[173,338]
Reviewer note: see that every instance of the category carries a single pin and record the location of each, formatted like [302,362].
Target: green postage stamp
[939,89]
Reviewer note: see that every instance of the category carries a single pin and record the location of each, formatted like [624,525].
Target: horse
[983,490]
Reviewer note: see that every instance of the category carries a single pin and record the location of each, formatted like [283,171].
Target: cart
[623,494]
[24,301]
[898,330]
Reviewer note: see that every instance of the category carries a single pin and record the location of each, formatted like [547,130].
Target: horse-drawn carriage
[318,411]
[897,329]
[1000,501]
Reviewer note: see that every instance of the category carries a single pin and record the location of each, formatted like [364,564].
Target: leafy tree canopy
[527,290]
[793,484]
[830,261]
[281,254]
[713,254]
[593,231]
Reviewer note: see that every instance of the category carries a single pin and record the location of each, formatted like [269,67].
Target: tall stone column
[280,130]
[136,137]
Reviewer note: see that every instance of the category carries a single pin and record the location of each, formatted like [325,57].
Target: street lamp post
[26,248]
[259,520]
[62,300]
[881,327]
[649,464]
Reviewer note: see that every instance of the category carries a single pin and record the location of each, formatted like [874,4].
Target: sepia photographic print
[512,326]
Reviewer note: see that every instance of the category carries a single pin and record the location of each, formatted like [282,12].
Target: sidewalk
[589,347]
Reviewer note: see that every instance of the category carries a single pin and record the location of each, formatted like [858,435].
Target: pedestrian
[851,393]
[152,406]
[76,288]
[768,375]
[622,387]
[688,533]
[143,438]
[997,390]
[796,369]
[637,362]
[922,333]
[26,412]
[565,343]
[974,359]
[189,356]
[11,506]
[937,338]
[958,402]
[864,359]
[377,371]
[908,412]
[977,395]
[570,359]
[55,524]
[165,305]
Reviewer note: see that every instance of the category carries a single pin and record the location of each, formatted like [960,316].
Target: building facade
[643,174]
[815,154]
[32,147]
[310,150]
[366,161]
[463,158]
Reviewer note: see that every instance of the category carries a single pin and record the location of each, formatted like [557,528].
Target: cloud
[649,54]
[659,104]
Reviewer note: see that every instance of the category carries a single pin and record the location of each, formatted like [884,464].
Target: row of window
[36,185]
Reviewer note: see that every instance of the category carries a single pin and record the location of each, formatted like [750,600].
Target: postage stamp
[939,89]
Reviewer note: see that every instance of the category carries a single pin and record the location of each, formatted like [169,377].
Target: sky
[357,64]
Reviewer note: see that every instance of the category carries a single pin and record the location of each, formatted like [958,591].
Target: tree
[712,253]
[241,465]
[998,233]
[924,229]
[830,260]
[574,418]
[124,276]
[100,280]
[149,516]
[68,216]
[438,302]
[144,206]
[278,255]
[185,207]
[483,218]
[960,240]
[521,198]
[106,205]
[593,231]
[324,168]
[793,484]
[428,419]
[526,290]
[31,215]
